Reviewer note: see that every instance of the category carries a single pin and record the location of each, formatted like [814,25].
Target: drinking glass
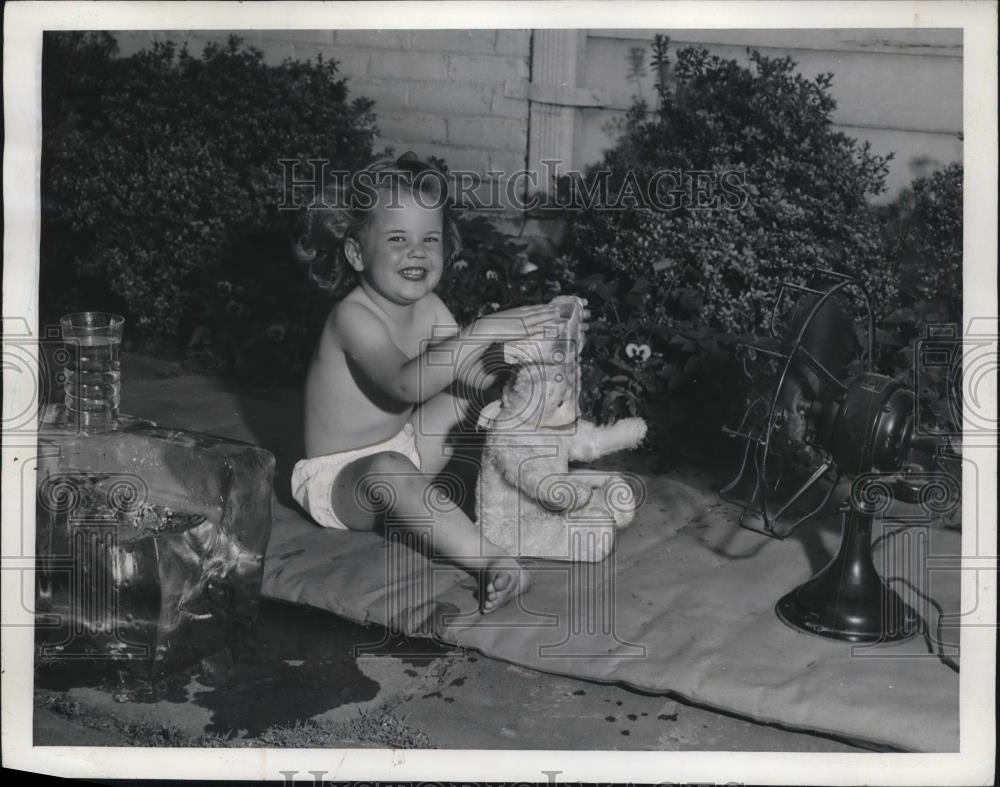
[93,372]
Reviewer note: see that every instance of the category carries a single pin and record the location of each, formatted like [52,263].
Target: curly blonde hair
[345,211]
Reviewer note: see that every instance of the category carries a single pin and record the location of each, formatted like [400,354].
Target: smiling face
[400,254]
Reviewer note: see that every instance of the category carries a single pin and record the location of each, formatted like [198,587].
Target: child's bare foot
[504,581]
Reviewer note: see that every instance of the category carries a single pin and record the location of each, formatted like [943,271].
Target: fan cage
[761,504]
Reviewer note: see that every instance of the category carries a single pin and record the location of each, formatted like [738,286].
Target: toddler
[391,357]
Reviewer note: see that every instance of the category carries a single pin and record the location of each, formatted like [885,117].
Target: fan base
[848,600]
[878,618]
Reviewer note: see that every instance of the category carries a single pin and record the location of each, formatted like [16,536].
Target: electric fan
[828,416]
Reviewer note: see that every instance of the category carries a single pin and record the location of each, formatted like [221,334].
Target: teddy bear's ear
[488,415]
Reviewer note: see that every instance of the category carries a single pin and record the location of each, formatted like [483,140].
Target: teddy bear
[529,501]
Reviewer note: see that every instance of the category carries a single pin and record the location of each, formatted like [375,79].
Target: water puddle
[299,663]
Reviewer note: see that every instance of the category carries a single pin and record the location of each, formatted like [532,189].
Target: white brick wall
[437,92]
[412,128]
[452,98]
[461,41]
[403,64]
[380,39]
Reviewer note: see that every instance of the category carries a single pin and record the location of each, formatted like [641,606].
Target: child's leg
[438,418]
[387,484]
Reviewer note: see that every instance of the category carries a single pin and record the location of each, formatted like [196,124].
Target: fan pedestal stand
[848,600]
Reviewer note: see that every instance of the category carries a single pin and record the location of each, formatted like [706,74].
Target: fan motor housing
[872,425]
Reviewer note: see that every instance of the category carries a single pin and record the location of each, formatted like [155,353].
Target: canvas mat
[685,606]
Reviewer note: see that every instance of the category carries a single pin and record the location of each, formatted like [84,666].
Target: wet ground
[313,679]
[298,664]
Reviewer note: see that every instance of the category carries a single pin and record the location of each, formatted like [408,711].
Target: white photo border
[23,26]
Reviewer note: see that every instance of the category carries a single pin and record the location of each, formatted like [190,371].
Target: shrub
[161,184]
[681,284]
[493,272]
[924,242]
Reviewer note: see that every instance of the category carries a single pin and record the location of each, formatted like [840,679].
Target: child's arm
[365,339]
[478,374]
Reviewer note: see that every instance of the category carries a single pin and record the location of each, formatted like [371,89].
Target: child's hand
[515,324]
[567,308]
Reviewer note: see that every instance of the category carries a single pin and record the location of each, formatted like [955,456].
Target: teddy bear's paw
[621,500]
[566,494]
[632,431]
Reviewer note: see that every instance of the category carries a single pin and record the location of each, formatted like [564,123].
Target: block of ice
[150,542]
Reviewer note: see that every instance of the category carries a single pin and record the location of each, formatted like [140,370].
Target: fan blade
[822,338]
